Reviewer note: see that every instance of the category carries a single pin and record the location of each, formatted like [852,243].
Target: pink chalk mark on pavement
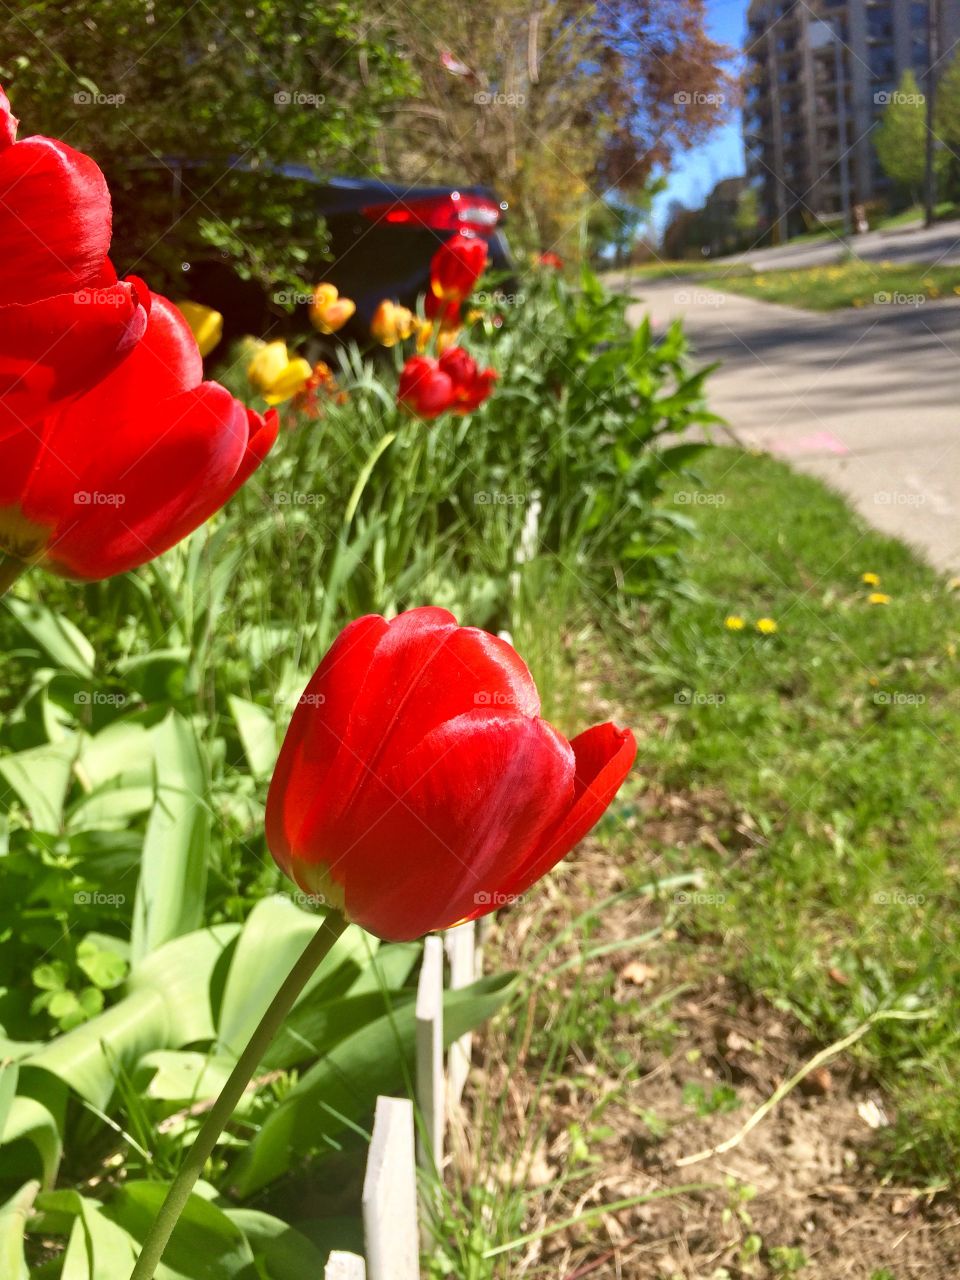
[816,442]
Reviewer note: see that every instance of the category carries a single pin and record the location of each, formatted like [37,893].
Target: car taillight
[455,212]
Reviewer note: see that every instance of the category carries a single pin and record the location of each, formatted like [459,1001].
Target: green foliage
[141,931]
[900,139]
[262,82]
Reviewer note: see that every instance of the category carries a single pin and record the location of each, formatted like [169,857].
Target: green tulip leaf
[344,1085]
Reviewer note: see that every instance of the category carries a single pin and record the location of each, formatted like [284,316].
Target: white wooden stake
[430,1076]
[344,1266]
[390,1195]
[461,952]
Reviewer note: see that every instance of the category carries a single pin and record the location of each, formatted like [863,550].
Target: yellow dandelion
[870,579]
[766,626]
[878,597]
[733,622]
[874,681]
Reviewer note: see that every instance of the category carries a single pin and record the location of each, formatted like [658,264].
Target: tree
[262,82]
[900,138]
[947,124]
[558,104]
[747,218]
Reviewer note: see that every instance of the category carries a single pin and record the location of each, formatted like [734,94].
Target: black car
[381,238]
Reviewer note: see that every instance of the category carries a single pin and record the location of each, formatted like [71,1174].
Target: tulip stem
[163,1225]
[10,570]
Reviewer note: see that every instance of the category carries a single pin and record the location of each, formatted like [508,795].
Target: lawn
[833,853]
[845,284]
[778,877]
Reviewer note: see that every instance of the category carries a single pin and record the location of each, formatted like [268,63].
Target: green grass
[846,284]
[890,222]
[833,743]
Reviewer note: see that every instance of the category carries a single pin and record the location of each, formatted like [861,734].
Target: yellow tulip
[447,338]
[275,374]
[206,325]
[328,311]
[392,324]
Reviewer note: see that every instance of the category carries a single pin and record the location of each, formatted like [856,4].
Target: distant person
[860,223]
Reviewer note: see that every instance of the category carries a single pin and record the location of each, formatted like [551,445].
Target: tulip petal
[427,843]
[166,466]
[604,755]
[55,220]
[60,346]
[316,734]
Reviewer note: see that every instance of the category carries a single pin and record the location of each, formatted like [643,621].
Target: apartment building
[797,125]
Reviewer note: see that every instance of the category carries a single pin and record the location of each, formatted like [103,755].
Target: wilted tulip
[206,325]
[276,374]
[392,324]
[328,311]
[418,787]
[457,266]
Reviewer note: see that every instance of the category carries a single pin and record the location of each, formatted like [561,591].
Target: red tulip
[457,266]
[424,389]
[448,313]
[114,477]
[471,386]
[65,321]
[418,786]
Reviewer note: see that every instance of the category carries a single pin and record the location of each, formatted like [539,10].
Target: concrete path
[869,400]
[938,244]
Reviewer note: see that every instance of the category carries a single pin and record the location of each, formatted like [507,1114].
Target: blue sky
[695,172]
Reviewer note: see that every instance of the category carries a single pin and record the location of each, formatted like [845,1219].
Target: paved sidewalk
[937,244]
[869,400]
